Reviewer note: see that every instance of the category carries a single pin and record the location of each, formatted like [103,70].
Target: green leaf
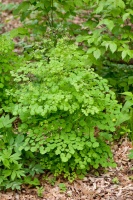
[100,7]
[124,54]
[95,144]
[131,154]
[1,85]
[122,118]
[13,175]
[22,7]
[6,163]
[14,157]
[129,94]
[120,3]
[33,149]
[109,23]
[113,47]
[114,165]
[58,151]
[125,16]
[63,157]
[130,80]
[42,150]
[27,148]
[89,144]
[97,53]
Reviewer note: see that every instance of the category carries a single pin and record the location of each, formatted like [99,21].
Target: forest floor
[112,184]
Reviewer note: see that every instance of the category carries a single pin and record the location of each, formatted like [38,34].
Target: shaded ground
[114,184]
[7,21]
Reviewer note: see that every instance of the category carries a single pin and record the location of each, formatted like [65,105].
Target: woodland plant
[8,62]
[108,40]
[39,16]
[13,162]
[128,110]
[66,110]
[102,27]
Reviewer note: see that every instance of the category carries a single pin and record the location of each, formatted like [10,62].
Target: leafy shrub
[67,110]
[109,42]
[119,76]
[16,165]
[9,154]
[13,162]
[125,120]
[127,110]
[6,47]
[8,61]
[39,16]
[109,24]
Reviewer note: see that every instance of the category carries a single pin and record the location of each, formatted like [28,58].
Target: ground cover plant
[62,106]
[58,112]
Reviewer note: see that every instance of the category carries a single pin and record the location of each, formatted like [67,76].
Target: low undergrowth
[65,115]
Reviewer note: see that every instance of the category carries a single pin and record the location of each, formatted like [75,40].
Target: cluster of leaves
[120,76]
[16,165]
[109,42]
[61,102]
[39,16]
[8,61]
[109,24]
[127,111]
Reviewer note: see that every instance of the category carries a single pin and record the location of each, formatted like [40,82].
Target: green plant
[9,60]
[123,130]
[6,60]
[127,113]
[115,180]
[57,15]
[125,119]
[17,166]
[109,42]
[13,162]
[40,191]
[62,187]
[50,180]
[66,114]
[128,106]
[131,154]
[109,24]
[11,169]
[31,181]
[7,7]
[67,110]
[119,76]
